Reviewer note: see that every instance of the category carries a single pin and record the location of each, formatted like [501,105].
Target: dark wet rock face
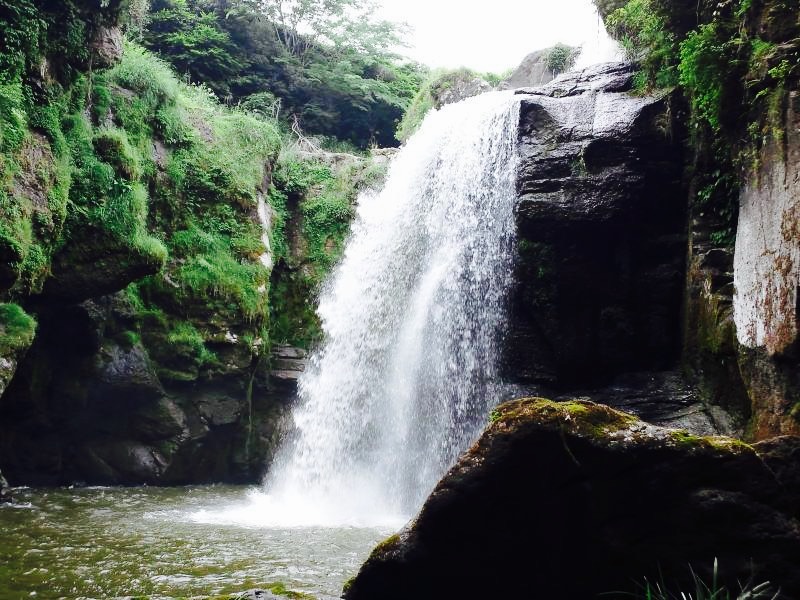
[766,280]
[663,398]
[601,220]
[288,364]
[571,500]
[90,405]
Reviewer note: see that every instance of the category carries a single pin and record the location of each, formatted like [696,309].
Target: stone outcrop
[536,68]
[457,86]
[662,398]
[532,71]
[767,259]
[766,274]
[571,500]
[107,46]
[288,364]
[600,221]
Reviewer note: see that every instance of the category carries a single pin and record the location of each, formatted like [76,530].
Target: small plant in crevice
[702,589]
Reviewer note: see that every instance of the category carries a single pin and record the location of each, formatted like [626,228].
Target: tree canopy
[331,64]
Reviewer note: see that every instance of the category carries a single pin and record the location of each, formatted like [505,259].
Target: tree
[340,25]
[194,43]
[330,62]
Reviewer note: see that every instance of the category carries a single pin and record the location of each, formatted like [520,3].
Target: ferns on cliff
[641,30]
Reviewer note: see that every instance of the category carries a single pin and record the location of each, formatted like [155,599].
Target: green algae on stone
[17,329]
[712,442]
[580,417]
[387,545]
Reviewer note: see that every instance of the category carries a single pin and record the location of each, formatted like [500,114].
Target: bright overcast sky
[492,35]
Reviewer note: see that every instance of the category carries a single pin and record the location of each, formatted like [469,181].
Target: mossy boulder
[571,500]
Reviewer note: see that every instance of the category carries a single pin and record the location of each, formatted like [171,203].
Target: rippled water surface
[165,543]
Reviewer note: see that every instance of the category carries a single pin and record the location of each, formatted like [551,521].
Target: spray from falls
[413,318]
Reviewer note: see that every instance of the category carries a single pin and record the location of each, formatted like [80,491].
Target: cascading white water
[412,319]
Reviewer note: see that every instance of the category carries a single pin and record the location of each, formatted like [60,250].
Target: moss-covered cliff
[139,226]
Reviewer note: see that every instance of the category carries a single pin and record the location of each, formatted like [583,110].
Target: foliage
[213,165]
[185,339]
[106,192]
[347,26]
[137,18]
[339,79]
[606,7]
[703,59]
[135,160]
[324,195]
[208,269]
[641,30]
[560,58]
[428,96]
[17,329]
[195,44]
[735,80]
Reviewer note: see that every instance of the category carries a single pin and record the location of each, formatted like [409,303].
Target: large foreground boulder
[572,500]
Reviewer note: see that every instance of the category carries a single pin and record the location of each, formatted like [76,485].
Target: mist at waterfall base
[413,315]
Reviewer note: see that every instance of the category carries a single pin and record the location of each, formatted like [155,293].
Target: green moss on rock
[704,443]
[313,204]
[17,329]
[580,417]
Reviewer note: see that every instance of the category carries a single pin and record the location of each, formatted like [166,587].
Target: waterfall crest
[412,318]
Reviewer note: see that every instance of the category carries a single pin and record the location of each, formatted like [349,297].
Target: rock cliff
[766,279]
[600,221]
[140,222]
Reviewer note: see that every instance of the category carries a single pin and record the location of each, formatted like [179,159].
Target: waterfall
[413,317]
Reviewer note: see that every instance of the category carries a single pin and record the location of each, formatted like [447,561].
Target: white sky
[492,35]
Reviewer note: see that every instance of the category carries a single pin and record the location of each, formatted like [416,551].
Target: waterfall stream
[412,316]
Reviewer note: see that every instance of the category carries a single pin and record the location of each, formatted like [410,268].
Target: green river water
[164,543]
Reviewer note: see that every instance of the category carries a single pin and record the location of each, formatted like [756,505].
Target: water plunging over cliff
[412,319]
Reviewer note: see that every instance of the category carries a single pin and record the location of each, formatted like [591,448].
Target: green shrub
[641,30]
[185,340]
[702,71]
[112,146]
[326,221]
[560,58]
[420,106]
[13,118]
[151,78]
[209,269]
[704,590]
